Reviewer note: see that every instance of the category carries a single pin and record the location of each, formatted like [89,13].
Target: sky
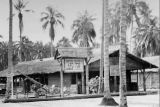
[69,8]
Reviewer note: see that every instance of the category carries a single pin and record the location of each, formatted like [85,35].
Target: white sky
[69,8]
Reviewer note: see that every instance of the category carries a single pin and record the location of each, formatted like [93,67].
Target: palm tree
[20,6]
[52,17]
[64,42]
[147,38]
[122,54]
[27,48]
[107,99]
[133,8]
[3,55]
[102,55]
[10,63]
[84,31]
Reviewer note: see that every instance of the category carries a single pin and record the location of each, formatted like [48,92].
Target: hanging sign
[74,65]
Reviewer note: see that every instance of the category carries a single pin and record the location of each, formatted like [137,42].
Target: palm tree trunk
[102,56]
[51,34]
[51,48]
[107,100]
[122,56]
[20,16]
[10,63]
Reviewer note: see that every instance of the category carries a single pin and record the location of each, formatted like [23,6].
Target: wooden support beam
[115,83]
[83,87]
[77,81]
[87,77]
[144,81]
[137,81]
[61,77]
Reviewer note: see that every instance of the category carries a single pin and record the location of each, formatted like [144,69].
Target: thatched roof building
[50,65]
[46,66]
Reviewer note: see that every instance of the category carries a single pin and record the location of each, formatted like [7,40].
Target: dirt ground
[133,101]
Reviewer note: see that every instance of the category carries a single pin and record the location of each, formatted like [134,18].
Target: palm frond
[20,5]
[44,26]
[59,15]
[29,10]
[44,18]
[59,22]
[45,13]
[50,10]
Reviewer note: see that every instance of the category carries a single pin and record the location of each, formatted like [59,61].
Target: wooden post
[82,77]
[87,77]
[137,81]
[115,84]
[144,81]
[77,81]
[61,76]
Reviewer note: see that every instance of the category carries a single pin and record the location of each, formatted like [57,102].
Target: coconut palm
[64,42]
[3,55]
[107,99]
[122,54]
[26,48]
[147,38]
[133,8]
[100,88]
[52,17]
[10,63]
[20,6]
[84,31]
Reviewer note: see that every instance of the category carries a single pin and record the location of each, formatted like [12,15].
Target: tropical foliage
[64,42]
[148,38]
[144,27]
[30,51]
[20,6]
[136,11]
[84,32]
[52,17]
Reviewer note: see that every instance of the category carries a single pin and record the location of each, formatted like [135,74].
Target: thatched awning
[46,66]
[68,52]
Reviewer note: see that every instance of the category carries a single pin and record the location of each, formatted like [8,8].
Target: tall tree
[52,17]
[137,12]
[27,48]
[84,31]
[107,99]
[10,63]
[20,6]
[100,88]
[147,38]
[122,53]
[3,55]
[64,42]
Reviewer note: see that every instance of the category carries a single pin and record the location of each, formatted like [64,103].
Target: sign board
[114,70]
[73,65]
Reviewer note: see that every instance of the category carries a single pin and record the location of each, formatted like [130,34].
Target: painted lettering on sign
[74,65]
